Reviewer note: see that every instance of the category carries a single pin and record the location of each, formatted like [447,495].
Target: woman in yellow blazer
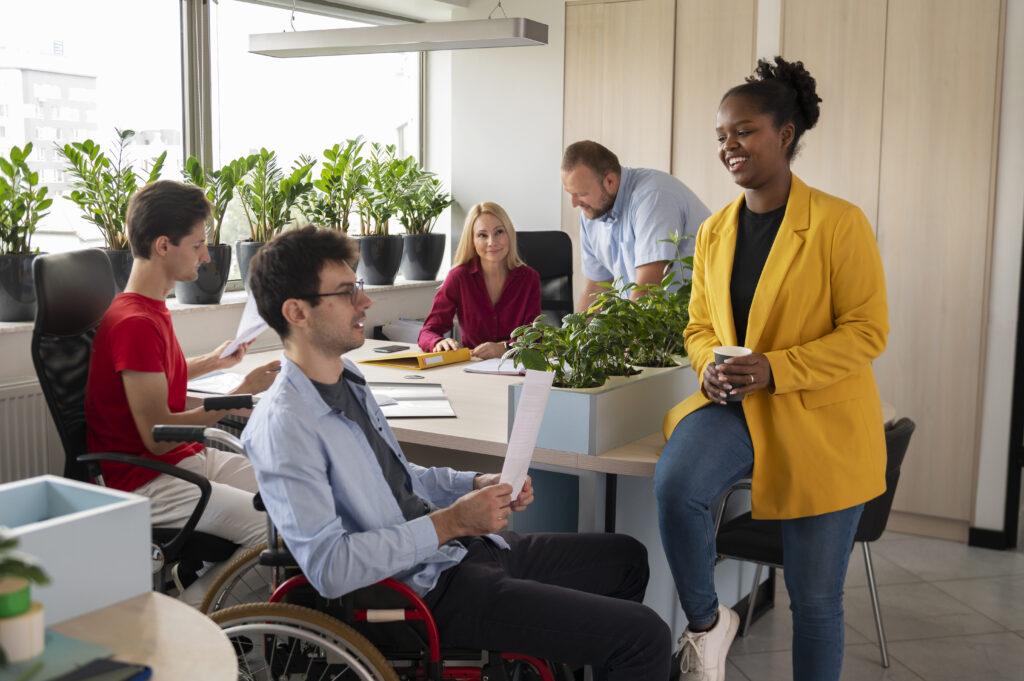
[793,274]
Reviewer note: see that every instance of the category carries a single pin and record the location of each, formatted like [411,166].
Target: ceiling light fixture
[412,37]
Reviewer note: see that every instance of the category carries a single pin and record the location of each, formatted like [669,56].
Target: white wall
[990,498]
[504,140]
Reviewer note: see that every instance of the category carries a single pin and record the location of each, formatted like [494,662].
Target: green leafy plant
[342,179]
[615,335]
[23,202]
[268,194]
[219,187]
[385,178]
[17,565]
[103,185]
[421,200]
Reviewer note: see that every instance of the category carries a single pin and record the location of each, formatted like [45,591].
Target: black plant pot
[422,256]
[245,250]
[208,288]
[121,262]
[379,258]
[17,291]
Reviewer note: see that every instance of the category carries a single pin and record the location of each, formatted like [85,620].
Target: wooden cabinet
[908,132]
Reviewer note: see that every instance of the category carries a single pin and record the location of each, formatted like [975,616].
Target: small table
[174,639]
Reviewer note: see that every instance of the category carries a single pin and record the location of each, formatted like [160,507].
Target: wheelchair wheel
[277,641]
[242,581]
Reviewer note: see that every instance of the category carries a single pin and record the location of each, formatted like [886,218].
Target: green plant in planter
[219,186]
[385,179]
[15,565]
[613,320]
[421,201]
[335,192]
[23,202]
[103,186]
[662,313]
[572,351]
[268,194]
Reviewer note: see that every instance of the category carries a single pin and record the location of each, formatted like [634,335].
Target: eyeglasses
[357,288]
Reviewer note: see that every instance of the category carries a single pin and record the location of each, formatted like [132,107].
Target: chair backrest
[550,253]
[876,512]
[73,290]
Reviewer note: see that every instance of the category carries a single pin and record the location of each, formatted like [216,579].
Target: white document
[216,383]
[533,400]
[499,366]
[249,326]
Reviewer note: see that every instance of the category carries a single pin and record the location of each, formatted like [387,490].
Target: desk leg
[611,482]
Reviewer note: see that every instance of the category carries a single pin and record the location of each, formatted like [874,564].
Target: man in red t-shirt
[138,376]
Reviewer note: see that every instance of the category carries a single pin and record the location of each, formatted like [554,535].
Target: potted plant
[420,203]
[268,196]
[23,204]
[219,187]
[342,177]
[102,188]
[380,253]
[17,573]
[572,351]
[662,312]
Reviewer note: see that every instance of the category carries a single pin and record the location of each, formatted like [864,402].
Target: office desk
[606,501]
[175,640]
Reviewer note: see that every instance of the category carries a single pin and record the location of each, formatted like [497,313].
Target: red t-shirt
[464,293]
[136,334]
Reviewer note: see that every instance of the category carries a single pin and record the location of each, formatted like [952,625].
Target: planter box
[595,420]
[93,542]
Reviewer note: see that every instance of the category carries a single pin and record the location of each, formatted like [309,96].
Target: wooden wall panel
[618,86]
[842,44]
[934,228]
[704,70]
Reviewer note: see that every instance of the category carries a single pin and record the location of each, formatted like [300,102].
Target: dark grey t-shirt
[341,397]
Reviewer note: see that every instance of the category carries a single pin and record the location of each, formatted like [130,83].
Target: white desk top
[175,640]
[480,402]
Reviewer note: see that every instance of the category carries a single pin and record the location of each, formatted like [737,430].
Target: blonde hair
[467,253]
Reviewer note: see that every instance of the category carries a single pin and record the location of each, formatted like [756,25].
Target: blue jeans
[709,450]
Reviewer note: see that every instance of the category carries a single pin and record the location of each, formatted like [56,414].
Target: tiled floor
[951,613]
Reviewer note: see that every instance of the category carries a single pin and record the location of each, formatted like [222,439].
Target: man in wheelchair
[353,510]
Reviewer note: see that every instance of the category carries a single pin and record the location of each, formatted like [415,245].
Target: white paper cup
[724,352]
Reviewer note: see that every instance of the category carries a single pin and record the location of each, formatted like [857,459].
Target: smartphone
[391,348]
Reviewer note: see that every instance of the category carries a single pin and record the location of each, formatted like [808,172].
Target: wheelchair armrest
[173,547]
[736,487]
[226,402]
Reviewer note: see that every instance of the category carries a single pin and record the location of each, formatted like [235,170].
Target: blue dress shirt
[649,206]
[326,494]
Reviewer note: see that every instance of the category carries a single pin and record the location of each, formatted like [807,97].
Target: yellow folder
[420,360]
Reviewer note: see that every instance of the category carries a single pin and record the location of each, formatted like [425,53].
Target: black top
[754,240]
[341,397]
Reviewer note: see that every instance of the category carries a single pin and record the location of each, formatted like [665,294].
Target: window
[68,72]
[302,106]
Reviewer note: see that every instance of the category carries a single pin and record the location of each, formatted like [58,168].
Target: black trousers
[571,598]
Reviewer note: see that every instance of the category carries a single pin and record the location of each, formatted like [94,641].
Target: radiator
[29,444]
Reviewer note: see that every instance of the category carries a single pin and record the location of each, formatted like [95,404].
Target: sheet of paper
[249,326]
[216,383]
[533,400]
[498,365]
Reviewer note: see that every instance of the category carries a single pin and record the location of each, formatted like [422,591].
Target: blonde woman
[490,289]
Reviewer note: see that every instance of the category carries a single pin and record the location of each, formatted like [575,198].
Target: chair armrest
[173,547]
[736,487]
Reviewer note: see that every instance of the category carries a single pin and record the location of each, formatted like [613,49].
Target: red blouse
[464,293]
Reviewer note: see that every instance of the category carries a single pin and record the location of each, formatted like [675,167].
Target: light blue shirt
[327,496]
[649,206]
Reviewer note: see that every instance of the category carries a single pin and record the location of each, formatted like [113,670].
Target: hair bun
[794,76]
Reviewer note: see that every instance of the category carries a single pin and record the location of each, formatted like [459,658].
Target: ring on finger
[751,376]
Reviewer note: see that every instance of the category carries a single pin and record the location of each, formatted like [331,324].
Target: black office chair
[73,290]
[760,541]
[550,253]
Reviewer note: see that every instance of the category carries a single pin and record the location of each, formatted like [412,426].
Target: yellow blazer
[819,314]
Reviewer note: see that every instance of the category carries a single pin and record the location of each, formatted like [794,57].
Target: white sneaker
[702,654]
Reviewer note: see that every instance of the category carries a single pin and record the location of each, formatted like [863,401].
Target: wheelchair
[281,628]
